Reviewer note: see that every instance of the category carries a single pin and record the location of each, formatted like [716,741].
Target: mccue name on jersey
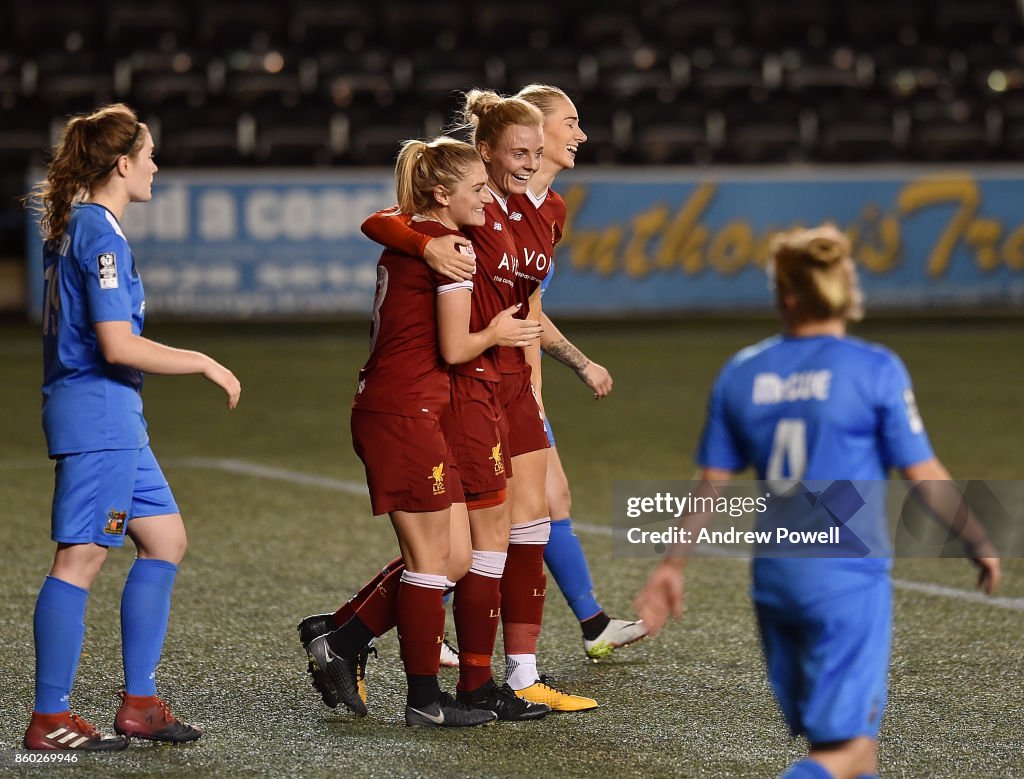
[770,388]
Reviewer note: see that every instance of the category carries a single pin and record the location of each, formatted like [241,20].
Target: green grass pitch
[267,548]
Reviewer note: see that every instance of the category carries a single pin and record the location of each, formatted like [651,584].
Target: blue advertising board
[280,244]
[922,237]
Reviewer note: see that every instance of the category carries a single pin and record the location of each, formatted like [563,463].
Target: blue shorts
[96,494]
[550,432]
[828,663]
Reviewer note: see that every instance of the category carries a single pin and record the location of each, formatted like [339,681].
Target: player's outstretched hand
[988,573]
[596,377]
[663,596]
[444,255]
[224,379]
[510,331]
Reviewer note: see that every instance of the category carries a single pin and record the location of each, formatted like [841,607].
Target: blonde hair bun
[813,270]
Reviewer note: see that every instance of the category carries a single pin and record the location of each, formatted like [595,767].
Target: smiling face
[140,170]
[563,134]
[513,159]
[463,204]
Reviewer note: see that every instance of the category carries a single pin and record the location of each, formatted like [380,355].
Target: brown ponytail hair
[815,276]
[88,149]
[488,113]
[421,166]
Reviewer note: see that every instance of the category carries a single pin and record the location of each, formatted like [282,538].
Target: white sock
[521,671]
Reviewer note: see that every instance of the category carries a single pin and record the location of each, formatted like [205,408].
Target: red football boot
[65,730]
[148,717]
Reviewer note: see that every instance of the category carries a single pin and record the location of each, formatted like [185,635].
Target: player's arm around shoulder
[120,346]
[449,254]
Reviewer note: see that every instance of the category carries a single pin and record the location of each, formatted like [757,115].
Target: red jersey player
[396,429]
[508,135]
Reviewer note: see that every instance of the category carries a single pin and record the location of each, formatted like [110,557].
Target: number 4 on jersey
[788,459]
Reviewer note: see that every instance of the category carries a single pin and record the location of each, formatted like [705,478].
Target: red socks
[348,610]
[421,621]
[523,587]
[477,608]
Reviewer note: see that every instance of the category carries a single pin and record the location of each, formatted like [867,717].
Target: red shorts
[409,466]
[526,431]
[477,435]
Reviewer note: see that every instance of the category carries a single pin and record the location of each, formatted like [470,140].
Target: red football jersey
[405,374]
[494,287]
[495,284]
[552,210]
[530,263]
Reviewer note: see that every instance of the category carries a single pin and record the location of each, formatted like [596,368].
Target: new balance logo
[497,226]
[515,216]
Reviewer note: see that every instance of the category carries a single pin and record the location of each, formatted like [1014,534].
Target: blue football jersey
[817,410]
[90,277]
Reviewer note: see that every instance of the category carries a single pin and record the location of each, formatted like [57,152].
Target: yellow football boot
[541,691]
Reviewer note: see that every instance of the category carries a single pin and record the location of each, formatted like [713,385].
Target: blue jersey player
[108,483]
[814,404]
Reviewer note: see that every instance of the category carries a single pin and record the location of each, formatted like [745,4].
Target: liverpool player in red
[563,554]
[513,250]
[403,393]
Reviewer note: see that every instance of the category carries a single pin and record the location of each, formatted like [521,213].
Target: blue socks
[806,769]
[145,607]
[567,563]
[59,628]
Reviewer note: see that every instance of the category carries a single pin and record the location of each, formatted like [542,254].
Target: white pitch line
[246,468]
[1013,604]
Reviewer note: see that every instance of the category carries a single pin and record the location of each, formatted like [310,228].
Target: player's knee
[84,565]
[171,547]
[529,507]
[79,564]
[458,563]
[560,500]
[181,546]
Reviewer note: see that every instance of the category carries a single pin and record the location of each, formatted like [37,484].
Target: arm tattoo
[568,355]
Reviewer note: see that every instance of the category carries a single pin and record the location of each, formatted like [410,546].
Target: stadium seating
[695,81]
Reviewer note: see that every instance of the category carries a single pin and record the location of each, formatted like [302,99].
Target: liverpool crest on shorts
[499,466]
[437,474]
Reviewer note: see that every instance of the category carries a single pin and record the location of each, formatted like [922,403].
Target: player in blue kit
[815,404]
[108,483]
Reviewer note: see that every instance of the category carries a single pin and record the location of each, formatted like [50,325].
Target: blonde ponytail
[422,166]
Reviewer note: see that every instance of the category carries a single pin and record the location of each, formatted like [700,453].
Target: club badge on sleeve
[107,266]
